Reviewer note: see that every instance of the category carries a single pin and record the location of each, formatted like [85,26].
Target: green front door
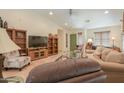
[73,43]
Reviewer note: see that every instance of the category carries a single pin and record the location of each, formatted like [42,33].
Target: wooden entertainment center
[37,53]
[20,38]
[43,52]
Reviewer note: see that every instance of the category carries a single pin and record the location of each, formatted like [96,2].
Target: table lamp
[90,40]
[89,44]
[6,45]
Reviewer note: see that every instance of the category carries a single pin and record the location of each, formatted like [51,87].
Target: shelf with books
[52,44]
[19,37]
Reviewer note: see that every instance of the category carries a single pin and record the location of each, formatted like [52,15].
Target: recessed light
[66,24]
[106,12]
[50,13]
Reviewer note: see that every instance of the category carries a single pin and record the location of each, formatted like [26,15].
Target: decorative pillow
[15,53]
[12,54]
[115,56]
[98,51]
[105,52]
[122,58]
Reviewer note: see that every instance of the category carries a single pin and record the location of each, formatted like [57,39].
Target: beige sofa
[110,60]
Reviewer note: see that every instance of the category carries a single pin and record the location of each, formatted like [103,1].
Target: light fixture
[113,38]
[66,24]
[50,13]
[106,12]
[90,40]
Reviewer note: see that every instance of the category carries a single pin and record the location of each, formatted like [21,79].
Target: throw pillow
[122,58]
[98,51]
[114,56]
[105,52]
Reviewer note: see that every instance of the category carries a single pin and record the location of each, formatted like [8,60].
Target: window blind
[102,38]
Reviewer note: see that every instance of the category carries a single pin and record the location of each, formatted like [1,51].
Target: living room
[44,36]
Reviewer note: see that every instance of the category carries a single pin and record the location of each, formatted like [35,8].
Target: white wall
[34,23]
[62,40]
[115,31]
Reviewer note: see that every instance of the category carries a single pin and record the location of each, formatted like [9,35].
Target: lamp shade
[6,44]
[90,40]
[113,38]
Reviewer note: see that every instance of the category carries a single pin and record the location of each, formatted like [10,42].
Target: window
[102,38]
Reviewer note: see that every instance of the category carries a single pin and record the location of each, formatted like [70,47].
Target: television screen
[38,41]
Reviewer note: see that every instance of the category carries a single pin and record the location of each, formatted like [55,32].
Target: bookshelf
[52,44]
[19,37]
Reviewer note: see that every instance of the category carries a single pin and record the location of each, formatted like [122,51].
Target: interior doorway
[73,43]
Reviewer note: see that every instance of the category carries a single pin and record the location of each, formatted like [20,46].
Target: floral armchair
[14,60]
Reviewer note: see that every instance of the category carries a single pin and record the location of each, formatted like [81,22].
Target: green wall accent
[73,40]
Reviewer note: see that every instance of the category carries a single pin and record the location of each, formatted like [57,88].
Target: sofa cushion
[115,56]
[95,58]
[98,51]
[122,58]
[105,52]
[109,66]
[62,70]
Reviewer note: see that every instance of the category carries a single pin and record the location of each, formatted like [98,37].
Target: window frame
[101,38]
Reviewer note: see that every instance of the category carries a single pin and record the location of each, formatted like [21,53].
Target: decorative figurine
[1,22]
[5,24]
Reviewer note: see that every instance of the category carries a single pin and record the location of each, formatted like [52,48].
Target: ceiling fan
[70,12]
[70,20]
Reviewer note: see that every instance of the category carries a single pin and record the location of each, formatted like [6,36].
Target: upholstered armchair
[14,60]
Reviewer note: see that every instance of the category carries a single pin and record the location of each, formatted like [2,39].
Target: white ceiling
[79,17]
